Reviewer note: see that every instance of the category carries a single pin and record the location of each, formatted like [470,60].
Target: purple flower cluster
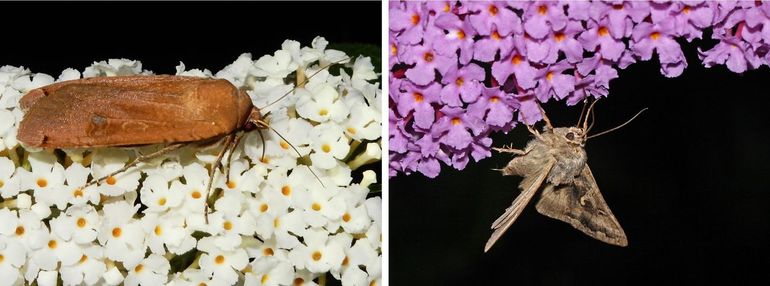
[461,70]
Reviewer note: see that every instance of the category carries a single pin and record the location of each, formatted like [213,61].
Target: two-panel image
[385,143]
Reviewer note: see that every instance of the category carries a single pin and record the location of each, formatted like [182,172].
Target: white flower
[78,224]
[114,67]
[268,249]
[317,254]
[158,196]
[14,257]
[89,268]
[7,129]
[23,228]
[321,104]
[121,235]
[108,160]
[196,178]
[363,123]
[10,184]
[270,272]
[168,230]
[329,144]
[244,179]
[265,208]
[180,70]
[221,263]
[47,180]
[26,83]
[229,219]
[324,56]
[238,71]
[196,277]
[49,249]
[153,270]
[76,176]
[322,205]
[69,74]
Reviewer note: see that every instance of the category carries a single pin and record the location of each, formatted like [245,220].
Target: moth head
[254,120]
[572,135]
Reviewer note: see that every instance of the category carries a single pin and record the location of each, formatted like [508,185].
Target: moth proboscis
[556,161]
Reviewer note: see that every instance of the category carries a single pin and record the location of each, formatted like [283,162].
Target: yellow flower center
[196,195]
[268,252]
[111,180]
[42,182]
[263,207]
[116,232]
[264,278]
[83,259]
[326,148]
[284,145]
[77,193]
[52,244]
[346,217]
[227,225]
[351,130]
[162,202]
[138,268]
[316,207]
[81,222]
[158,231]
[19,230]
[231,185]
[219,259]
[323,112]
[286,190]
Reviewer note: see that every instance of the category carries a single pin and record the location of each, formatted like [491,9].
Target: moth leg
[534,132]
[510,150]
[140,159]
[228,140]
[236,141]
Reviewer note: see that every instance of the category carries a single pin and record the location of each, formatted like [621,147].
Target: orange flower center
[19,230]
[456,121]
[542,10]
[219,259]
[418,97]
[428,57]
[317,256]
[496,36]
[158,231]
[559,36]
[138,268]
[617,6]
[415,19]
[42,182]
[52,244]
[494,99]
[549,76]
[459,81]
[196,195]
[346,217]
[316,207]
[655,36]
[81,222]
[516,60]
[227,225]
[111,180]
[263,207]
[268,252]
[77,193]
[461,34]
[603,31]
[116,232]
[286,190]
[493,10]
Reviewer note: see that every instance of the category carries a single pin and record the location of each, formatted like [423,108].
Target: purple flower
[409,21]
[493,17]
[426,61]
[486,48]
[689,17]
[517,65]
[542,17]
[455,127]
[418,99]
[529,109]
[553,82]
[621,16]
[462,83]
[731,52]
[459,35]
[547,50]
[648,37]
[598,35]
[495,107]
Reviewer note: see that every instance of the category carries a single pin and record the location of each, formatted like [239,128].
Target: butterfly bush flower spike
[461,70]
[276,212]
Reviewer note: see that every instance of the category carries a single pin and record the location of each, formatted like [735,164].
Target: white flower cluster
[279,217]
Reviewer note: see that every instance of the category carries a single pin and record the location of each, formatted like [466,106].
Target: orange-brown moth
[139,110]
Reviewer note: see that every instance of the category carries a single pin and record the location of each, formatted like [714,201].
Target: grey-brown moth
[555,160]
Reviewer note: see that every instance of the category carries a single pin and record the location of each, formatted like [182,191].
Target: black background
[51,36]
[688,181]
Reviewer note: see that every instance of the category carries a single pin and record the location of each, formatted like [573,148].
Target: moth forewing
[582,206]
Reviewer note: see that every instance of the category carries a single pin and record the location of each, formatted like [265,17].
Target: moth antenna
[590,108]
[593,120]
[293,148]
[582,112]
[303,82]
[619,126]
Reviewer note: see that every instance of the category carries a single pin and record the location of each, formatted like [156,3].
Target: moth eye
[570,136]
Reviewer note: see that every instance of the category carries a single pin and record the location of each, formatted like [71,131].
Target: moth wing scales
[159,108]
[529,186]
[581,205]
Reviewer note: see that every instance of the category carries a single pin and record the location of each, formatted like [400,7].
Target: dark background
[51,36]
[688,180]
